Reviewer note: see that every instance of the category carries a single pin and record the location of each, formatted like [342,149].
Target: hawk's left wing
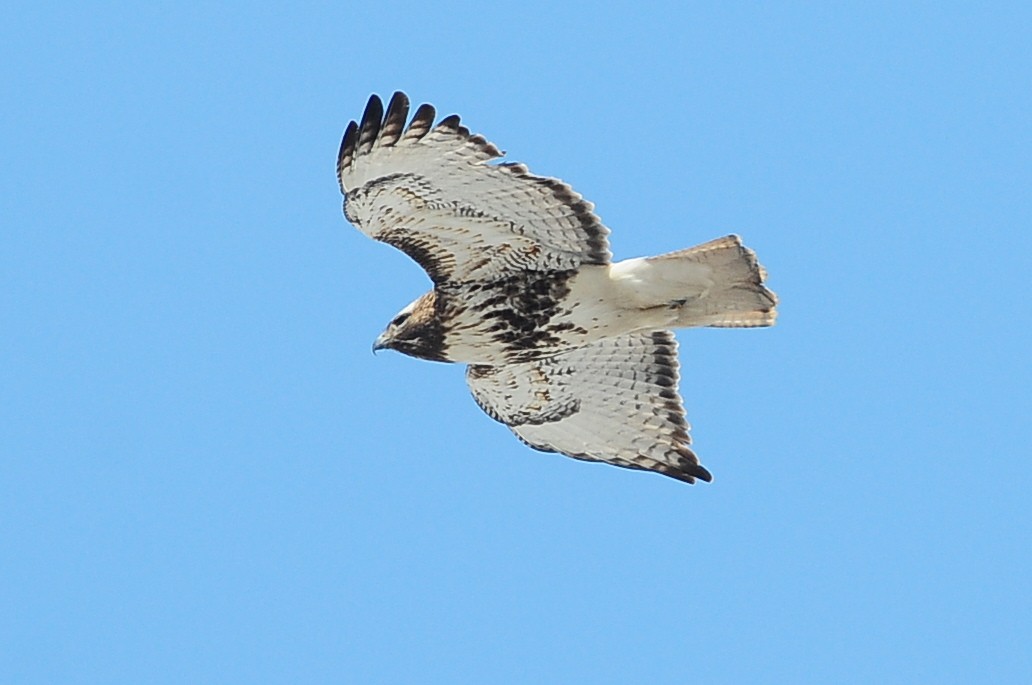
[433,192]
[614,401]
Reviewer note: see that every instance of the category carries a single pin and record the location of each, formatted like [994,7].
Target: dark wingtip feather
[699,471]
[394,122]
[346,153]
[451,121]
[372,118]
[422,122]
[688,472]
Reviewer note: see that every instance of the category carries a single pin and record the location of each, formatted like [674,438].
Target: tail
[718,283]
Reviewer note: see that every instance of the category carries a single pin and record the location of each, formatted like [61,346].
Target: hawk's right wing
[615,401]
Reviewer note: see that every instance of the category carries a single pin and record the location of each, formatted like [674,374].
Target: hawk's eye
[400,319]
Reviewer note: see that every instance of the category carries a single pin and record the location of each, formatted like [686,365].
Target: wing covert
[615,401]
[433,192]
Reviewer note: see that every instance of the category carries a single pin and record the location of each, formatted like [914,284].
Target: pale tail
[718,283]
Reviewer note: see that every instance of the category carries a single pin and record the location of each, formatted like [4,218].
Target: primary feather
[569,350]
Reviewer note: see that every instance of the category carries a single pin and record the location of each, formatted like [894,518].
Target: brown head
[416,331]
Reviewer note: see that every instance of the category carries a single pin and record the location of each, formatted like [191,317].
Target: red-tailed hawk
[569,350]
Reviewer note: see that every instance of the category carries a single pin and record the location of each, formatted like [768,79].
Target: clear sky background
[206,477]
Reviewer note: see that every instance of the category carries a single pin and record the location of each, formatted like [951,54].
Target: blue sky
[207,478]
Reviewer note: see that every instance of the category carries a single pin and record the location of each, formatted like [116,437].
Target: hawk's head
[416,331]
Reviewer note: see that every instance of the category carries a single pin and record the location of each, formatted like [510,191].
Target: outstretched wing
[614,401]
[432,192]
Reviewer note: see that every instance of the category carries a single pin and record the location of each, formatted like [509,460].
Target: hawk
[570,350]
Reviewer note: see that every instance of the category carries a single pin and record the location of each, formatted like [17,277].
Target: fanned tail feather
[718,283]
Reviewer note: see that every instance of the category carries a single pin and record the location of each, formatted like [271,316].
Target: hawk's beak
[381,343]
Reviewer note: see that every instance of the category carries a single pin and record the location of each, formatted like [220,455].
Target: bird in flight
[570,350]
